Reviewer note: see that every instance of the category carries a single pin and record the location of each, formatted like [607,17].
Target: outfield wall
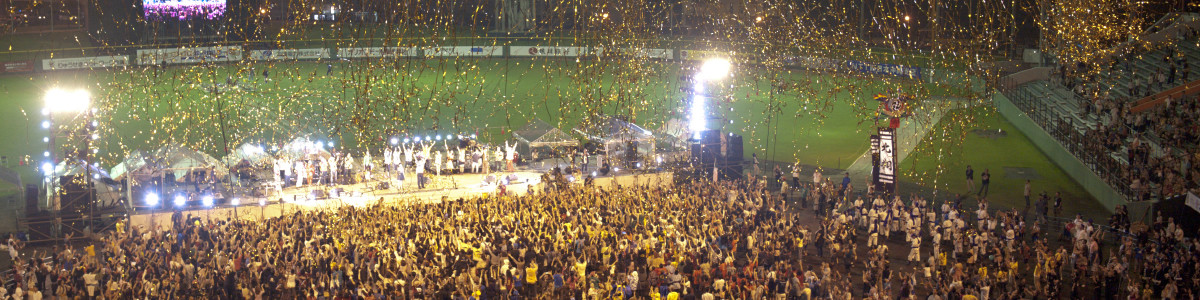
[226,54]
[1076,169]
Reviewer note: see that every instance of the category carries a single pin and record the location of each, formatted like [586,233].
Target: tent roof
[248,152]
[615,129]
[538,133]
[182,160]
[72,167]
[136,162]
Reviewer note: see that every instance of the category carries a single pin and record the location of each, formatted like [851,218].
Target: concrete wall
[1058,154]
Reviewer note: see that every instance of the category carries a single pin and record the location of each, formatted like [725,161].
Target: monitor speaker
[31,199]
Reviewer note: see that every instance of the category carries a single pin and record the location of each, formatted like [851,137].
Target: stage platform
[362,194]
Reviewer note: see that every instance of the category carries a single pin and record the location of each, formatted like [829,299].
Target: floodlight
[714,69]
[59,100]
[439,137]
[235,201]
[152,199]
[180,200]
[396,140]
[262,202]
[406,140]
[47,168]
[207,200]
[45,124]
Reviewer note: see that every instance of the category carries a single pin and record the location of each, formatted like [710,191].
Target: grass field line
[912,130]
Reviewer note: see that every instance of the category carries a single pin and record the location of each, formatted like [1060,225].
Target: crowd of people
[1152,150]
[684,240]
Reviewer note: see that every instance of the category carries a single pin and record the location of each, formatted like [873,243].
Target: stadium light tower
[69,104]
[712,70]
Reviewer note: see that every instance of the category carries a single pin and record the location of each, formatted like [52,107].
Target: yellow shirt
[531,275]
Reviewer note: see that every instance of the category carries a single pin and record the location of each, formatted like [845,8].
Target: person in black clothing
[970,179]
[984,178]
[1057,203]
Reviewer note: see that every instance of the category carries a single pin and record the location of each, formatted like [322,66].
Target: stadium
[541,149]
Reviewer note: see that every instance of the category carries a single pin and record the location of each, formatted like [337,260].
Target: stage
[464,185]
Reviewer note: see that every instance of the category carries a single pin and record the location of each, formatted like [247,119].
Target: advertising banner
[561,51]
[883,69]
[20,66]
[445,51]
[703,54]
[289,54]
[85,62]
[363,52]
[189,55]
[656,53]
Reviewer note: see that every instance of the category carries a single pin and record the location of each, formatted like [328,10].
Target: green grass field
[994,153]
[792,116]
[814,121]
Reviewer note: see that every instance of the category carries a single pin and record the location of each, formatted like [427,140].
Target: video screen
[161,10]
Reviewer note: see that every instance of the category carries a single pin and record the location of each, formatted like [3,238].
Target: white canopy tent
[137,165]
[303,148]
[251,153]
[179,162]
[619,137]
[106,194]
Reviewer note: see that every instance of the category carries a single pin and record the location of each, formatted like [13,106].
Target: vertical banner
[887,161]
[875,159]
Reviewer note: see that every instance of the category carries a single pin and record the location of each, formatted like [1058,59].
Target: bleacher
[1063,106]
[1118,81]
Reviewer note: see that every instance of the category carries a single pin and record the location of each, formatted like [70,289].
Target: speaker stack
[722,151]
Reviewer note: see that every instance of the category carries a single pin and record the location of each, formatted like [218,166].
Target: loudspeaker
[31,199]
[631,153]
[734,148]
[74,194]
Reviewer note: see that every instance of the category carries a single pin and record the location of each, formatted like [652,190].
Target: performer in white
[322,167]
[437,163]
[277,167]
[367,166]
[498,154]
[420,169]
[300,171]
[408,153]
[510,154]
[397,155]
[333,169]
[462,160]
[349,168]
[387,159]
